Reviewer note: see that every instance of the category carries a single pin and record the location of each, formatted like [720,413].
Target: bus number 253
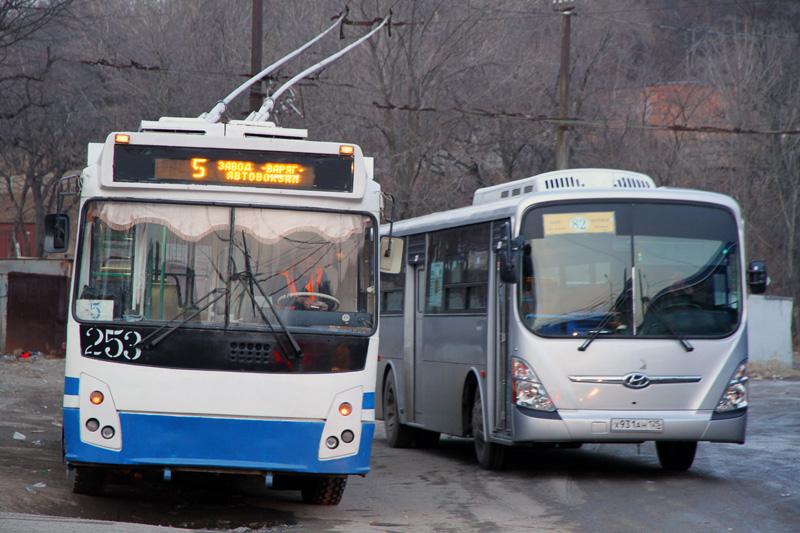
[113,343]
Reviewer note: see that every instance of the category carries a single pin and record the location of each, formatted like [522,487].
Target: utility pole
[256,38]
[566,8]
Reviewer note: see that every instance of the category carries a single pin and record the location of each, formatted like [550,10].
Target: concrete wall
[769,329]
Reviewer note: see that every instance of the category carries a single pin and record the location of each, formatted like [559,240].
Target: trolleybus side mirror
[391,255]
[757,278]
[56,233]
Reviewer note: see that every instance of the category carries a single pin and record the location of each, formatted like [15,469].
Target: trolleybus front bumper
[217,443]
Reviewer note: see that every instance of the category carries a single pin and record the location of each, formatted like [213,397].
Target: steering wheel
[332,304]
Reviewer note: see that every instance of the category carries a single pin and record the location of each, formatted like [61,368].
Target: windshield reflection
[155,262]
[646,270]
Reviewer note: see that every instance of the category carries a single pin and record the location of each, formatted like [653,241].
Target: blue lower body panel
[198,442]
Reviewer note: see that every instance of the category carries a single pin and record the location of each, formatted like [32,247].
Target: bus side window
[392,290]
[458,264]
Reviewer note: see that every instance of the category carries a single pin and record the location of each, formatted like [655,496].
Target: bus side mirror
[757,278]
[56,233]
[508,254]
[391,255]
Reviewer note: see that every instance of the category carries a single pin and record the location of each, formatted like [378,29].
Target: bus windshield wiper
[251,282]
[597,331]
[196,311]
[658,316]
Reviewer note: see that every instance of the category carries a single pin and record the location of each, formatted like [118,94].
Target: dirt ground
[427,490]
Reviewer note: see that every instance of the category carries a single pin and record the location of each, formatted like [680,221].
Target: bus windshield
[232,267]
[630,269]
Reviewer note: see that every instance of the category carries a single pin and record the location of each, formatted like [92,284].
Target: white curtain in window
[193,222]
[189,222]
[269,225]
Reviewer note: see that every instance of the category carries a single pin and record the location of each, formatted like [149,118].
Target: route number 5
[199,167]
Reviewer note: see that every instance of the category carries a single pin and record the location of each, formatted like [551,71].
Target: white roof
[516,205]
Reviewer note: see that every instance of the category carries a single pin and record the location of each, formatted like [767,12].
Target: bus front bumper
[598,426]
[217,443]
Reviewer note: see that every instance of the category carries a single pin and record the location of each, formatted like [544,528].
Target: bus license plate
[637,424]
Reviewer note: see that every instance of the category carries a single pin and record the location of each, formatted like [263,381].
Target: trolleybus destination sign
[217,166]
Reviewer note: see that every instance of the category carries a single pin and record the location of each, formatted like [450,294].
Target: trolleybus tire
[324,490]
[676,456]
[88,480]
[397,435]
[490,455]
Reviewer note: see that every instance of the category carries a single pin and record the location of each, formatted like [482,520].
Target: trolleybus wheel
[88,480]
[324,490]
[397,435]
[490,455]
[676,456]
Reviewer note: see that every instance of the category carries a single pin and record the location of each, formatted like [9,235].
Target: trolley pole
[256,37]
[566,8]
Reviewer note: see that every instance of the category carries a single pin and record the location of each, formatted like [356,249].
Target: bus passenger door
[417,248]
[419,321]
[498,337]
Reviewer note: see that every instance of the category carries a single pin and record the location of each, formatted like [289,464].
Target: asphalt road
[755,487]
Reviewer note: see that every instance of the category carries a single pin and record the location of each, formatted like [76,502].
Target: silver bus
[570,307]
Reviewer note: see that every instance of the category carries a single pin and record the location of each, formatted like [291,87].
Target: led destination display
[217,166]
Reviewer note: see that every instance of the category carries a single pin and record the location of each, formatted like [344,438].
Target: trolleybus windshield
[157,262]
[644,270]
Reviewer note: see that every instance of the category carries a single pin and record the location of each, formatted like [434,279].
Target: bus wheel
[676,456]
[397,434]
[88,480]
[324,490]
[490,455]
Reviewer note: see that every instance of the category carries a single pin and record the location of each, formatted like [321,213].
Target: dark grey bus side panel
[452,345]
[390,349]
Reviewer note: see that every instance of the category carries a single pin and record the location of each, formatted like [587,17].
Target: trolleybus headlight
[345,409]
[107,432]
[92,424]
[526,389]
[96,397]
[331,442]
[348,436]
[735,395]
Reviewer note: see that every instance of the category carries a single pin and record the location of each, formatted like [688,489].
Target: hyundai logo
[636,380]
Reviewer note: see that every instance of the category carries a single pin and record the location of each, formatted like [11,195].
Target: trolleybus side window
[458,269]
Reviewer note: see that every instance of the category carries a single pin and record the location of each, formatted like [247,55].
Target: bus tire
[324,490]
[424,438]
[88,480]
[397,435]
[490,455]
[676,456]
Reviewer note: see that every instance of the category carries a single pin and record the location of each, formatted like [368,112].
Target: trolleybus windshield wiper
[252,281]
[196,311]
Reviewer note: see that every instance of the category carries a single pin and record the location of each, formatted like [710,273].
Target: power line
[573,122]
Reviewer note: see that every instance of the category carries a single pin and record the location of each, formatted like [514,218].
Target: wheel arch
[391,368]
[472,385]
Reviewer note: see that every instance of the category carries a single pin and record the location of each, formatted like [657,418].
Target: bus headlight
[526,389]
[735,395]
